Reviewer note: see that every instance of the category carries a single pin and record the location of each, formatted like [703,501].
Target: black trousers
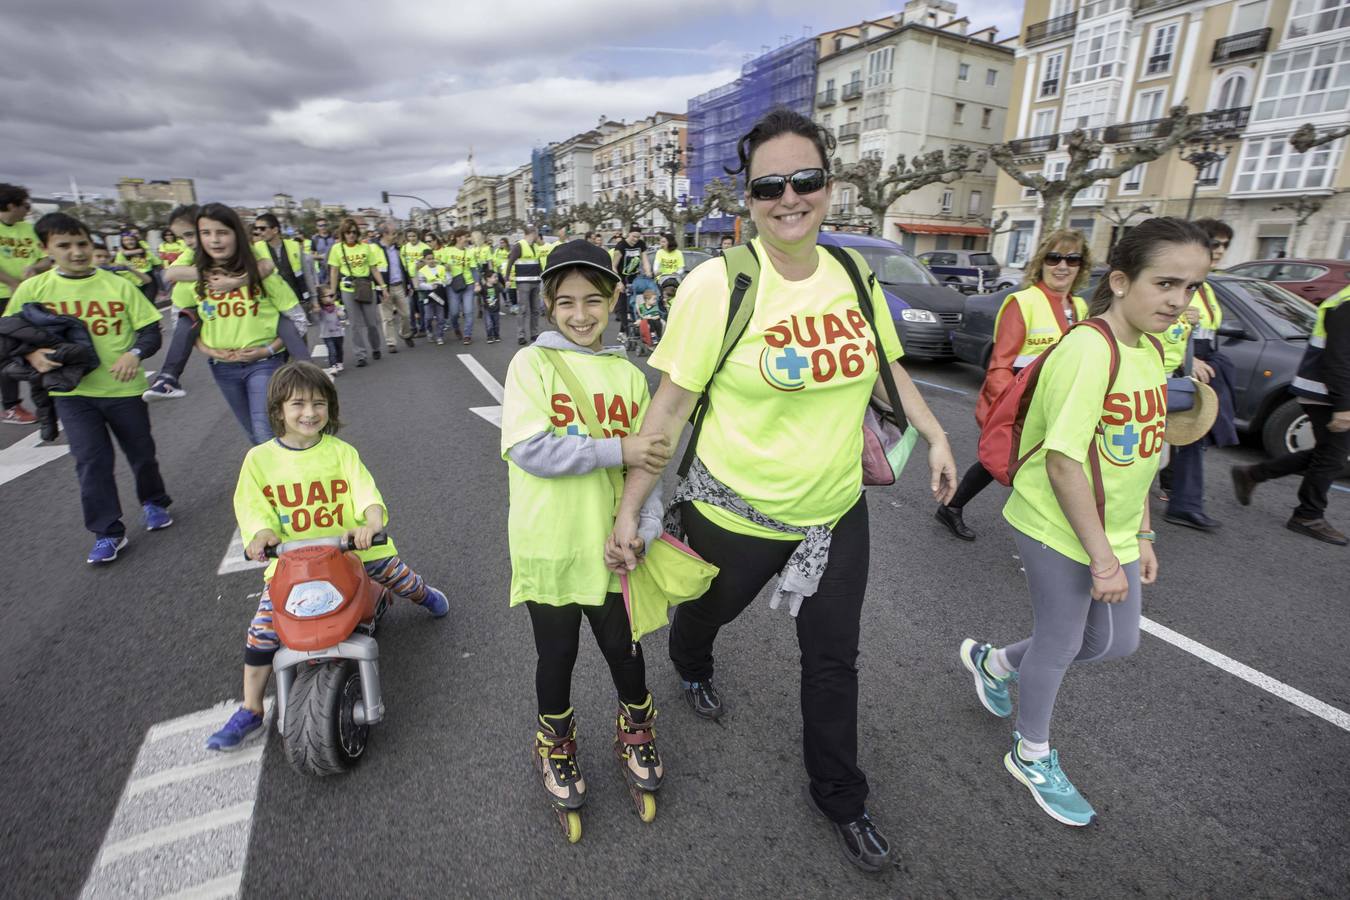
[88,422]
[1320,466]
[557,636]
[827,632]
[9,392]
[976,479]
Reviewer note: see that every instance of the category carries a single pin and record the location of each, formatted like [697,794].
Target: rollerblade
[635,749]
[555,758]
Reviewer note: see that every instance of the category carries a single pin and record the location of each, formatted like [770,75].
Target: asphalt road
[1205,784]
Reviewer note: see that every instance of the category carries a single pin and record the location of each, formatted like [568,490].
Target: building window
[991,77]
[986,117]
[948,199]
[1089,107]
[1043,122]
[1232,91]
[1317,17]
[1161,49]
[1132,182]
[959,117]
[1270,164]
[974,203]
[1050,74]
[1305,82]
[879,64]
[1098,52]
[1149,105]
[963,72]
[1019,242]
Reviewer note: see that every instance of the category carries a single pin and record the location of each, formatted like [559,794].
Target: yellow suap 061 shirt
[557,527]
[322,491]
[357,260]
[184,293]
[19,249]
[246,316]
[1069,403]
[110,308]
[784,422]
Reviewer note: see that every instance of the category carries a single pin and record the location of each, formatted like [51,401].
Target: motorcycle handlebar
[341,542]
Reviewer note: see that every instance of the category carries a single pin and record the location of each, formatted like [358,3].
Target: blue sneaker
[106,550]
[156,517]
[243,723]
[436,602]
[993,692]
[1051,788]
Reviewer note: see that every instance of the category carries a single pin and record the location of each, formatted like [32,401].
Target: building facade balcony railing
[1148,6]
[1213,123]
[1237,46]
[842,211]
[875,123]
[1050,29]
[1159,64]
[825,98]
[849,131]
[851,91]
[1032,146]
[1050,87]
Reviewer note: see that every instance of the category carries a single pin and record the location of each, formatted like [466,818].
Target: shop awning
[927,228]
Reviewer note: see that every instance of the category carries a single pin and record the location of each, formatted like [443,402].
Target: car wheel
[1287,430]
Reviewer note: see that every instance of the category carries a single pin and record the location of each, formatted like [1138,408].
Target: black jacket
[65,335]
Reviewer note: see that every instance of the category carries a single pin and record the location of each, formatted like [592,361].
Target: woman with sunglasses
[1030,322]
[787,453]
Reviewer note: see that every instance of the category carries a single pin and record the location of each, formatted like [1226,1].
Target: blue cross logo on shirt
[285,520]
[574,430]
[791,362]
[1126,440]
[209,308]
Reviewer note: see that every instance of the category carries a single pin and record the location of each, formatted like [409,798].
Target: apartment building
[173,190]
[1257,69]
[573,164]
[514,194]
[646,155]
[476,202]
[910,84]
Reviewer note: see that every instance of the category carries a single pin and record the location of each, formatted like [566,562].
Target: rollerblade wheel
[570,821]
[645,803]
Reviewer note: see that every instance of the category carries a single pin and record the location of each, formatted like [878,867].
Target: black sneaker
[1320,529]
[1197,520]
[703,698]
[863,844]
[1243,484]
[521,340]
[361,363]
[375,353]
[951,517]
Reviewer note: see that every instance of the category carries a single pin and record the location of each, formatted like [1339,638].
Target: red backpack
[1002,434]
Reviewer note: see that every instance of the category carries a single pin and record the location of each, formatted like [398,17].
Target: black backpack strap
[743,261]
[845,259]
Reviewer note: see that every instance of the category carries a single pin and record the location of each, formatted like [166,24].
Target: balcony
[849,131]
[1214,123]
[1060,26]
[1148,6]
[1034,146]
[875,123]
[852,91]
[1237,46]
[1050,87]
[825,98]
[842,211]
[1157,65]
[1226,121]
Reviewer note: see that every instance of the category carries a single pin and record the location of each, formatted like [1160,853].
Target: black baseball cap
[580,253]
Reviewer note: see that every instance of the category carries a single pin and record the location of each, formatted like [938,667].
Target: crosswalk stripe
[176,831]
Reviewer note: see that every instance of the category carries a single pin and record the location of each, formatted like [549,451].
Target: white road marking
[1337,487]
[484,377]
[492,414]
[176,831]
[1337,717]
[27,454]
[234,560]
[940,387]
[182,824]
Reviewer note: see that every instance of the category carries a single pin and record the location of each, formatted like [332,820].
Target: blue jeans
[433,318]
[1187,493]
[463,303]
[245,388]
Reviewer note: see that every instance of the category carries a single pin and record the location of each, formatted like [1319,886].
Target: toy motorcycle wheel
[322,736]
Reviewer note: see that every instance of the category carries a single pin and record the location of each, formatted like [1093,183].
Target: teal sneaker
[993,692]
[1051,788]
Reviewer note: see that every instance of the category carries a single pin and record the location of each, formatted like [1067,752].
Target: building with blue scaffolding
[544,184]
[785,76]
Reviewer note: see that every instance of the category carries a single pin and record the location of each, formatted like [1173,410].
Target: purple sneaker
[243,723]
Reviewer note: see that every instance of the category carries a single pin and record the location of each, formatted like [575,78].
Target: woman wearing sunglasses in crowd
[1031,321]
[786,455]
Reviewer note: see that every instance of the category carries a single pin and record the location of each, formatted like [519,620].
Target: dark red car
[1311,279]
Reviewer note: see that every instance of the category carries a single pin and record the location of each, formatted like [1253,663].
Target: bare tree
[627,208]
[878,190]
[589,215]
[730,197]
[1307,137]
[1084,148]
[1303,208]
[681,216]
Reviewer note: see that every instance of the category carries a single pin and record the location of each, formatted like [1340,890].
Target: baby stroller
[640,337]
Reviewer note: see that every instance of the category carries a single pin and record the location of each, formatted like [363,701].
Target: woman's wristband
[1147,536]
[1107,572]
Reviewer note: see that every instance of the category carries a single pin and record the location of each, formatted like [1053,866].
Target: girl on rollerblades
[562,507]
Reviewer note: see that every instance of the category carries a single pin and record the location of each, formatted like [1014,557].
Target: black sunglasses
[1074,260]
[1218,245]
[771,187]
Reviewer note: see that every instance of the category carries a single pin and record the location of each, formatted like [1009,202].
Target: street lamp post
[1201,157]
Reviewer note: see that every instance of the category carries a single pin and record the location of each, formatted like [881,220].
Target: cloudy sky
[343,99]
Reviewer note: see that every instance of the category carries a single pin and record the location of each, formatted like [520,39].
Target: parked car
[968,271]
[924,311]
[1008,277]
[692,258]
[1265,331]
[1311,279]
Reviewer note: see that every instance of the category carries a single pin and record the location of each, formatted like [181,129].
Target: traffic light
[384,197]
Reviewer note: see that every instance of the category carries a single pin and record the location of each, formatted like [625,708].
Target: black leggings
[827,633]
[976,479]
[557,634]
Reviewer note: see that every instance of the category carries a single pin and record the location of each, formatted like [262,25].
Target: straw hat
[1191,424]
